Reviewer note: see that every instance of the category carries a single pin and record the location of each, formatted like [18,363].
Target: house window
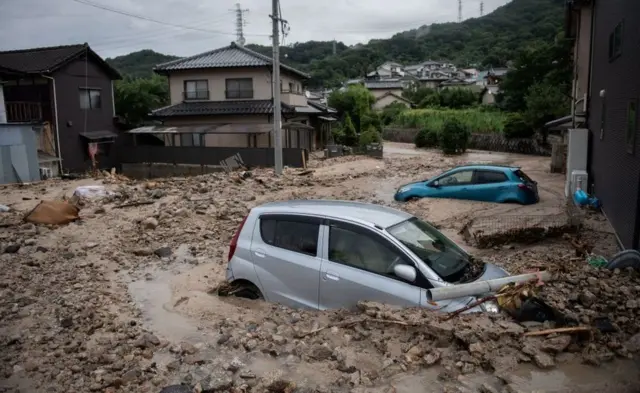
[239,88]
[615,42]
[196,90]
[189,140]
[290,87]
[632,126]
[90,98]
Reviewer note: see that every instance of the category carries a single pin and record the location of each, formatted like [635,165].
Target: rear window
[294,236]
[523,176]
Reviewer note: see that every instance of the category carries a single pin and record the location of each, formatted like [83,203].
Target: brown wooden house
[66,92]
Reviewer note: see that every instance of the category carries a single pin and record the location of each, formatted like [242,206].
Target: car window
[362,251]
[523,176]
[485,177]
[461,177]
[295,236]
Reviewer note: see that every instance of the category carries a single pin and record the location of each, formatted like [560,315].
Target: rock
[247,374]
[556,344]
[348,364]
[66,322]
[432,358]
[177,389]
[217,381]
[150,223]
[142,252]
[486,388]
[543,360]
[250,345]
[195,359]
[173,365]
[163,252]
[187,348]
[235,365]
[633,344]
[146,340]
[587,298]
[12,249]
[280,386]
[278,340]
[30,242]
[320,352]
[131,375]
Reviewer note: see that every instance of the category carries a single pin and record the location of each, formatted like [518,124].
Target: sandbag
[53,213]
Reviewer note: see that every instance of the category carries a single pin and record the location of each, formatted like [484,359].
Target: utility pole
[335,50]
[277,113]
[482,8]
[459,11]
[240,23]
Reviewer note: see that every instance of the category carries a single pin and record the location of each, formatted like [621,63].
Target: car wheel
[248,291]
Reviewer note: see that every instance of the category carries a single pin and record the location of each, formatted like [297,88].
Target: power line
[141,17]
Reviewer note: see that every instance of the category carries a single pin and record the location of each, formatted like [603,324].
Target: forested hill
[493,39]
[139,64]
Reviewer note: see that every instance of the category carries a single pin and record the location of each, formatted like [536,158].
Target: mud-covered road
[120,300]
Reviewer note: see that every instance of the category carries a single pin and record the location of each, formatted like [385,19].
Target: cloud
[34,23]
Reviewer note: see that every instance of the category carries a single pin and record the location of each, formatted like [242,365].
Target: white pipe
[482,287]
[55,115]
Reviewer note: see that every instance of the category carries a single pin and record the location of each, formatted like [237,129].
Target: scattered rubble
[71,325]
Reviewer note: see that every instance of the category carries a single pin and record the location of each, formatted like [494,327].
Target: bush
[369,136]
[426,138]
[454,137]
[350,137]
[517,126]
[476,120]
[371,119]
[338,135]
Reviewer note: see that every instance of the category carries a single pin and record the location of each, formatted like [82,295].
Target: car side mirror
[405,272]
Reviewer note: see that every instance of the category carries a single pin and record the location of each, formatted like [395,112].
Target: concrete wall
[383,102]
[216,79]
[3,109]
[149,171]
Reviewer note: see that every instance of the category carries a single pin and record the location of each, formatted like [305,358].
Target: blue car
[489,183]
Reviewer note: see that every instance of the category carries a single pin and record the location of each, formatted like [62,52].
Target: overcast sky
[33,23]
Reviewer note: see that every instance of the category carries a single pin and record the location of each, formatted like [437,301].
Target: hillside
[139,64]
[493,39]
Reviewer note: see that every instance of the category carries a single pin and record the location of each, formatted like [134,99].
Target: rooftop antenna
[240,24]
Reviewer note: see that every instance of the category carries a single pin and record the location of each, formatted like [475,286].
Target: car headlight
[491,306]
[403,189]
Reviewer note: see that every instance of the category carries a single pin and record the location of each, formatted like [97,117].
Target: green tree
[136,97]
[355,101]
[349,135]
[390,112]
[544,103]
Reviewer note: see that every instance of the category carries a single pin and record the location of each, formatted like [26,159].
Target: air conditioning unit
[580,179]
[45,173]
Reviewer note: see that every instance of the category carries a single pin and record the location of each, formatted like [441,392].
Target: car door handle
[331,276]
[259,253]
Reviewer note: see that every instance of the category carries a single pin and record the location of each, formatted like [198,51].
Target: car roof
[488,167]
[365,213]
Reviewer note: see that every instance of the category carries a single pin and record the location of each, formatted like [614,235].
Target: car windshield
[441,254]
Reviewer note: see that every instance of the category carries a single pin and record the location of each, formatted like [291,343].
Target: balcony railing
[232,94]
[23,112]
[196,95]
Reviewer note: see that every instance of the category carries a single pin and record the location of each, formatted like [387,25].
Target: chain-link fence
[495,230]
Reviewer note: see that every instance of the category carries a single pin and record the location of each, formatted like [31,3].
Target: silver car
[323,254]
